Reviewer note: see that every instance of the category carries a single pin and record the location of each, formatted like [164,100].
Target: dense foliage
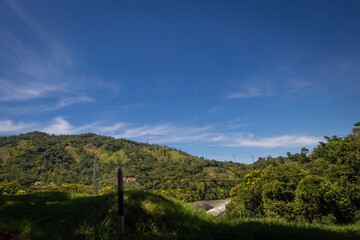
[323,186]
[37,160]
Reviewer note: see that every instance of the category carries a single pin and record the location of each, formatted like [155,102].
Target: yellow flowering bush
[179,193]
[246,196]
[9,187]
[249,182]
[234,170]
[21,192]
[75,187]
[105,190]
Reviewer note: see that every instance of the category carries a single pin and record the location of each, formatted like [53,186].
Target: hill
[37,160]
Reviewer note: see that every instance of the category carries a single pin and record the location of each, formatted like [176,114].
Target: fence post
[120,205]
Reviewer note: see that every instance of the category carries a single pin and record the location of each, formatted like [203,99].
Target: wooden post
[120,205]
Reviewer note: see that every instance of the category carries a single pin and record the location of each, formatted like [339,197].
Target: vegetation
[322,187]
[61,215]
[37,160]
[48,190]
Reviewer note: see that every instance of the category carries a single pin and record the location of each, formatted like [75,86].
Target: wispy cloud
[255,88]
[169,133]
[10,126]
[41,68]
[166,133]
[215,109]
[275,142]
[58,50]
[12,91]
[31,70]
[72,100]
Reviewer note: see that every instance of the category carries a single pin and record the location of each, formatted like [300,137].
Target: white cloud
[274,142]
[12,91]
[252,90]
[10,126]
[72,100]
[169,133]
[60,126]
[166,133]
[113,128]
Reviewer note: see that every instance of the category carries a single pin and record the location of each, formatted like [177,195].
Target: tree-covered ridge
[37,159]
[323,186]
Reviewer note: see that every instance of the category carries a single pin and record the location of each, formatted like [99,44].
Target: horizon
[229,81]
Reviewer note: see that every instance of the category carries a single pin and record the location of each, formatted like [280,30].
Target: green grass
[60,215]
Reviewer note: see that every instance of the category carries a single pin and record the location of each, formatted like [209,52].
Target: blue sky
[218,79]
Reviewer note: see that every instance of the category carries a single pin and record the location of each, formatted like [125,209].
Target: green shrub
[277,198]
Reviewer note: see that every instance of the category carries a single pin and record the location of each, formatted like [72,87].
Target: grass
[59,215]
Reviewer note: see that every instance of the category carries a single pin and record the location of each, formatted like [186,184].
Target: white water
[219,208]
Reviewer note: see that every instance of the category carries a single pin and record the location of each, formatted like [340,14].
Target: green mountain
[37,159]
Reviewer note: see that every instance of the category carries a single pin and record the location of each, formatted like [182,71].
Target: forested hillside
[38,160]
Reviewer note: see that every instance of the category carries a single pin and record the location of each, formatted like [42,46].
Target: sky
[224,80]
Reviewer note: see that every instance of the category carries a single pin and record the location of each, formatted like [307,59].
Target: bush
[308,198]
[247,197]
[277,198]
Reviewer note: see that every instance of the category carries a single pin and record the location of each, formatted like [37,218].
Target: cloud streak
[10,126]
[275,142]
[41,68]
[12,91]
[169,133]
[256,88]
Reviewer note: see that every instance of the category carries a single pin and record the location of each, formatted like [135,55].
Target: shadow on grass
[147,216]
[52,215]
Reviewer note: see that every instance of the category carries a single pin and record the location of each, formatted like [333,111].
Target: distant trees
[356,129]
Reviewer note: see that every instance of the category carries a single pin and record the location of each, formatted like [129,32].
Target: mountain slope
[42,159]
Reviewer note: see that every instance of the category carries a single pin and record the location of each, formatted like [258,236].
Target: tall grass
[59,215]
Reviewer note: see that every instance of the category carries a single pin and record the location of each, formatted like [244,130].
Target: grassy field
[59,215]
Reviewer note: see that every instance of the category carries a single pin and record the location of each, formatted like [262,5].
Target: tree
[356,129]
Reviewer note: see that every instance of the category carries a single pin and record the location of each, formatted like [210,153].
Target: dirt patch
[72,151]
[130,179]
[91,149]
[4,152]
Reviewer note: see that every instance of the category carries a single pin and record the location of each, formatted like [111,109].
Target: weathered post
[120,205]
